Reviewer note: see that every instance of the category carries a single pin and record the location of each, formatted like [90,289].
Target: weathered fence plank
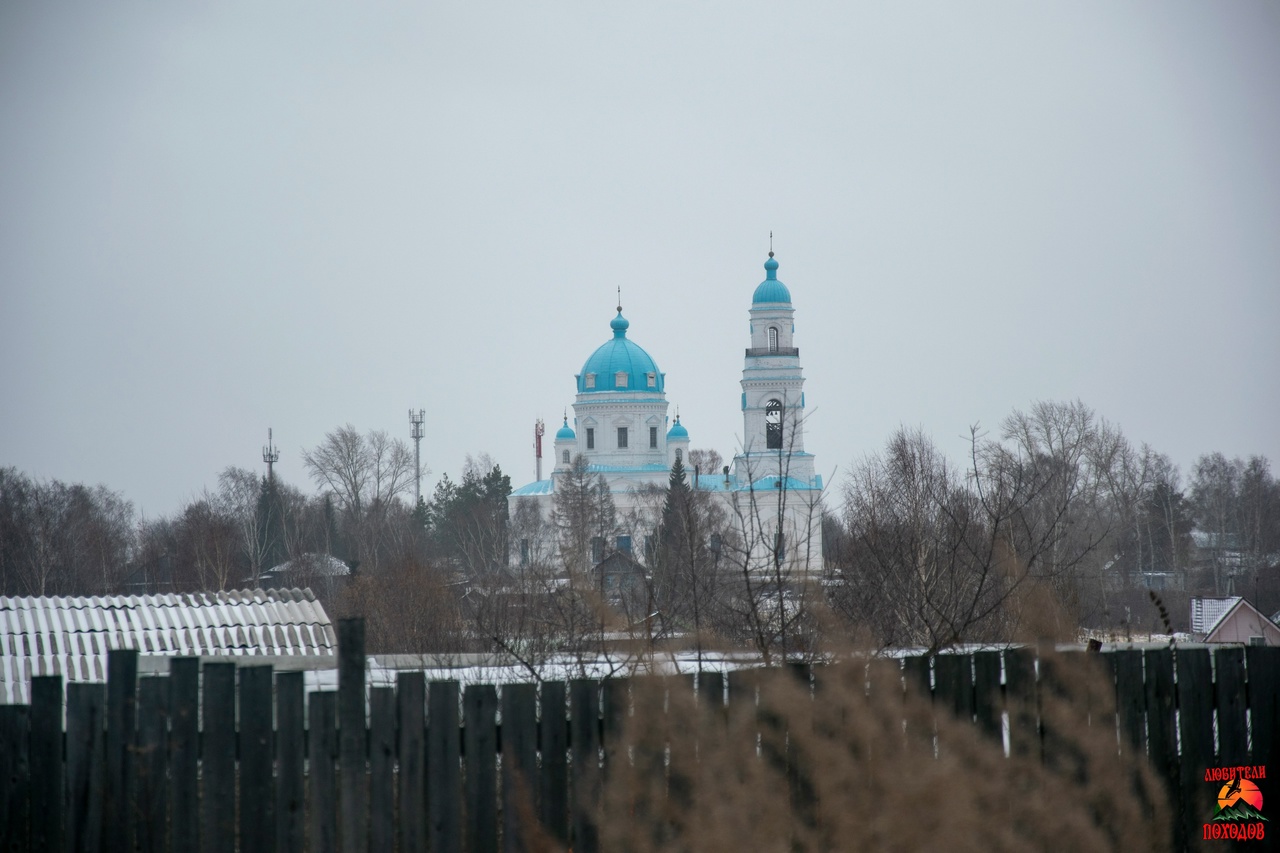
[151,764]
[322,786]
[987,705]
[519,745]
[47,778]
[218,758]
[1162,730]
[1020,700]
[584,744]
[382,757]
[1229,692]
[953,687]
[291,831]
[1264,701]
[444,773]
[351,736]
[15,778]
[1162,733]
[480,711]
[257,759]
[916,671]
[122,687]
[711,691]
[553,744]
[86,765]
[411,754]
[1195,721]
[184,753]
[917,675]
[1126,665]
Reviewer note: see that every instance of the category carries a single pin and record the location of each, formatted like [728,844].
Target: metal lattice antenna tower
[415,432]
[270,455]
[539,429]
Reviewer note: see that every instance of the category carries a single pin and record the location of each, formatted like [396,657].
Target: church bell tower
[773,390]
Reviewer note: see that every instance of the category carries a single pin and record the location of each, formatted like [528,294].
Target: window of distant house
[565,457]
[773,425]
[1257,641]
[679,455]
[652,379]
[591,438]
[653,438]
[589,381]
[620,379]
[624,544]
[524,552]
[773,339]
[780,545]
[597,549]
[622,438]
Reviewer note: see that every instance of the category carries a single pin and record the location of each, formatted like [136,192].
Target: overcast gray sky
[216,218]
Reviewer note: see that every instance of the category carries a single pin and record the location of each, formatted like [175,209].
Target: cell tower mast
[538,429]
[415,432]
[270,455]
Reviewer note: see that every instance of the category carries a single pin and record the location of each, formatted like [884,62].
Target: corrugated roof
[1207,612]
[71,636]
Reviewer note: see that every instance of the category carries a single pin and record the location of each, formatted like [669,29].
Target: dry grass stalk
[861,766]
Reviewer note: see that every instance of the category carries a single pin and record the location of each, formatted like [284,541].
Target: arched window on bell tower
[773,339]
[773,425]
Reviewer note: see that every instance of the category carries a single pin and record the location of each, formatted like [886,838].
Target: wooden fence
[159,762]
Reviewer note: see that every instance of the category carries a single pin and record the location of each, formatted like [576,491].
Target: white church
[621,427]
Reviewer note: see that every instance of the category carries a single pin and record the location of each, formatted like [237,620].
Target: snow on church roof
[70,636]
[538,487]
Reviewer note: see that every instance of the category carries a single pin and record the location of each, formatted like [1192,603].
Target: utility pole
[270,455]
[415,432]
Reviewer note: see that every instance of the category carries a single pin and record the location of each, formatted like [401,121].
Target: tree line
[1053,521]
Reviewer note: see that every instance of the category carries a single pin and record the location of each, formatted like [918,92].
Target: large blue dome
[771,290]
[619,356]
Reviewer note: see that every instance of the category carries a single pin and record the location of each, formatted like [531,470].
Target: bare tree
[912,576]
[1215,489]
[58,538]
[240,493]
[939,555]
[208,545]
[365,474]
[775,543]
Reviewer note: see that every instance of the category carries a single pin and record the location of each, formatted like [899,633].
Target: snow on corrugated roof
[1207,612]
[70,636]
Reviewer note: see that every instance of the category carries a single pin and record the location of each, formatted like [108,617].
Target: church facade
[622,429]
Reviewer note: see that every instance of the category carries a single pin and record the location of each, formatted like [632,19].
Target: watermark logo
[1239,814]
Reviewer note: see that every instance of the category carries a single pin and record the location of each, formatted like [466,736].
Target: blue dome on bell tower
[771,290]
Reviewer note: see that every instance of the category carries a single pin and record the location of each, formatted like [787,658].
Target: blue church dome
[677,430]
[619,359]
[771,290]
[566,433]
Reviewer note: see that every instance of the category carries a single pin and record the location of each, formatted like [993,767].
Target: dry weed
[851,763]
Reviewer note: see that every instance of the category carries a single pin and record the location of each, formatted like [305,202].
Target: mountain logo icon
[1239,799]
